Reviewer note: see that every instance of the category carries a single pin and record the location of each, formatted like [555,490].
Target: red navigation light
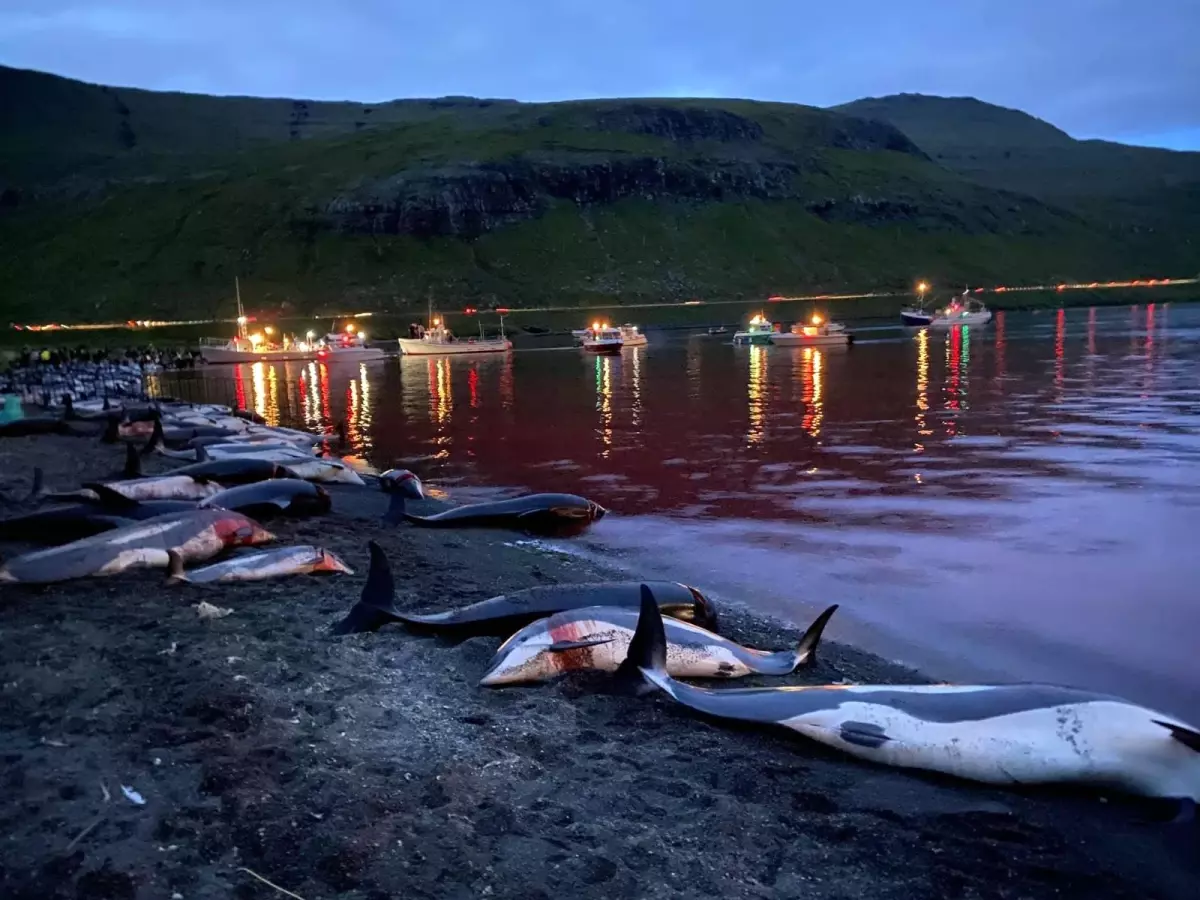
[469,311]
[322,353]
[502,309]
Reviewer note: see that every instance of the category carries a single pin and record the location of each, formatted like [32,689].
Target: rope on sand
[269,883]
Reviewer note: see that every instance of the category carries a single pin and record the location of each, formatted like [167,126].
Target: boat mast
[241,316]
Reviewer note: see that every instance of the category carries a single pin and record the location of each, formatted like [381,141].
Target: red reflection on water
[239,382]
[1060,337]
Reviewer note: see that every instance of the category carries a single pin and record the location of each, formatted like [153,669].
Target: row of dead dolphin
[647,635]
[237,472]
[241,472]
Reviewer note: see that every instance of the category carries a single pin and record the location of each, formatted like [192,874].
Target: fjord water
[1017,501]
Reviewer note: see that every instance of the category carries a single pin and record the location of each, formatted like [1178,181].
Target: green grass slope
[472,202]
[1013,150]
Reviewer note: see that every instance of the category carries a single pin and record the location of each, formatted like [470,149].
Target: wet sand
[372,766]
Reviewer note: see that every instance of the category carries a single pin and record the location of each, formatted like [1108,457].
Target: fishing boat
[349,345]
[963,310]
[605,338]
[437,340]
[758,331]
[815,333]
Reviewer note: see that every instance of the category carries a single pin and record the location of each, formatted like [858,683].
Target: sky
[1125,70]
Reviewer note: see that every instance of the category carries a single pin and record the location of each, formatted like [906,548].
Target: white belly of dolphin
[1100,742]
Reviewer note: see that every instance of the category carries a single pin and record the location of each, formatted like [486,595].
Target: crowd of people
[146,356]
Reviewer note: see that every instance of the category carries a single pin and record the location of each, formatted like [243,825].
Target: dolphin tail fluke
[133,462]
[175,573]
[377,605]
[157,438]
[806,650]
[646,659]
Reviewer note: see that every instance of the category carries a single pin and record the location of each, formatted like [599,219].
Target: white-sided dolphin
[258,566]
[998,734]
[597,638]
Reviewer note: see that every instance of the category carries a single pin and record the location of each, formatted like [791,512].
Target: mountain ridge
[123,202]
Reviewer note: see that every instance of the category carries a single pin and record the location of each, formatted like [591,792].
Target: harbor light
[269,330]
[242,320]
[816,319]
[310,334]
[362,335]
[350,328]
[922,287]
[256,339]
[437,322]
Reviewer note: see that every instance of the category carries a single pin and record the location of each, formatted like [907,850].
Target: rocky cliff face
[715,155]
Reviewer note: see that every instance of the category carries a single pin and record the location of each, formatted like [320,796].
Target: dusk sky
[1126,70]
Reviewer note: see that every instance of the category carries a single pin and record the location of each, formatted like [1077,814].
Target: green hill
[119,203]
[1012,150]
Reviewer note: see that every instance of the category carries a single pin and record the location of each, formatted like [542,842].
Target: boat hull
[636,341]
[219,355]
[788,339]
[915,319]
[981,318]
[610,348]
[759,339]
[418,347]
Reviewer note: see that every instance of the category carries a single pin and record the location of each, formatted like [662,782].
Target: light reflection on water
[1009,501]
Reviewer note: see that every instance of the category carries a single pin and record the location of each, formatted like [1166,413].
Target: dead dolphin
[597,638]
[549,515]
[500,616]
[61,525]
[234,471]
[277,497]
[196,535]
[259,566]
[996,734]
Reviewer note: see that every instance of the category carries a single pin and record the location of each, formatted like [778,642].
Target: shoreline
[671,317]
[373,765]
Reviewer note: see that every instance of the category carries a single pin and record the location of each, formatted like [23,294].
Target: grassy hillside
[324,206]
[1013,150]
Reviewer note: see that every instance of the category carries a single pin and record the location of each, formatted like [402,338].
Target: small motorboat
[604,338]
[962,311]
[717,330]
[758,331]
[815,333]
[915,317]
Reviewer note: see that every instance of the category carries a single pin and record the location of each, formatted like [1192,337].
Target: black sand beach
[372,766]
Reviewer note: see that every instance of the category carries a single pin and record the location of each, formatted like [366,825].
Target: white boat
[437,340]
[962,311]
[758,332]
[816,333]
[632,337]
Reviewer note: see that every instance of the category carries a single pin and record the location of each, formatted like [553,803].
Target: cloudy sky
[1125,70]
